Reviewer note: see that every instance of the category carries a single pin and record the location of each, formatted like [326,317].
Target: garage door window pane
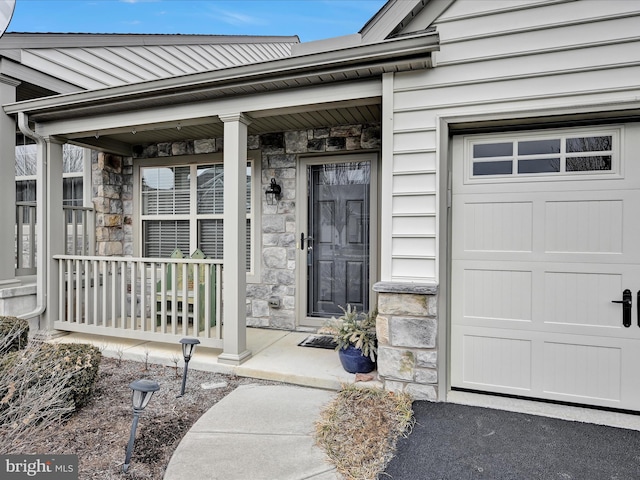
[589,164]
[544,165]
[492,168]
[589,144]
[539,147]
[487,150]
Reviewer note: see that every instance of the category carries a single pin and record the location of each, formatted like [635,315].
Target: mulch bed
[99,432]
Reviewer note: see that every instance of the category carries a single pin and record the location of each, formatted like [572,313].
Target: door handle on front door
[626,307]
[308,239]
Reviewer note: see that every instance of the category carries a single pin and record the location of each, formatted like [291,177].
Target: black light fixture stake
[142,393]
[188,347]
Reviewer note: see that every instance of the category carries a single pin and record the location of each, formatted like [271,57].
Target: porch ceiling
[122,141]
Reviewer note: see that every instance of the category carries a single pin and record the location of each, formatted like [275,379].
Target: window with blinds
[183,206]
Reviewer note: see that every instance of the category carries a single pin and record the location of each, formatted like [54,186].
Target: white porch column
[54,218]
[234,289]
[7,184]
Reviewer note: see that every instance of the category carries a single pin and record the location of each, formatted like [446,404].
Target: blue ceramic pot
[354,362]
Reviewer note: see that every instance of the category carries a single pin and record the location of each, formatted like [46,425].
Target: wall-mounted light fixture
[273,193]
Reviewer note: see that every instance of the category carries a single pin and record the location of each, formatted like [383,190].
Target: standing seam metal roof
[92,61]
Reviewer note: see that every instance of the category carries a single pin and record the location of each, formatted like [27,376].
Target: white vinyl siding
[182,206]
[498,59]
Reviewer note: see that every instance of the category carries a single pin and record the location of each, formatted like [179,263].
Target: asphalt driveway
[458,442]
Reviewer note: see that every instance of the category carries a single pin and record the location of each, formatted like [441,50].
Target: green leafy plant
[354,328]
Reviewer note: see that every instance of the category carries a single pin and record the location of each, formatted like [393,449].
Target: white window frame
[616,132]
[253,274]
[65,175]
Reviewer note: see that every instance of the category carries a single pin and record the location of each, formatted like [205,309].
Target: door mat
[319,341]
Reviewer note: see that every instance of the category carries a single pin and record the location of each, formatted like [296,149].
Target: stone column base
[407,329]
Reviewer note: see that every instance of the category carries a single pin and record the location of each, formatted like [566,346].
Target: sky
[309,19]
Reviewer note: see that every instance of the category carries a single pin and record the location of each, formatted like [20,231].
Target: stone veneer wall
[279,157]
[112,184]
[407,328]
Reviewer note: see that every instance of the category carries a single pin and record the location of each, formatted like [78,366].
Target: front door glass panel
[338,238]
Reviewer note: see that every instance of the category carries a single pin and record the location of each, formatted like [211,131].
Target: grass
[360,428]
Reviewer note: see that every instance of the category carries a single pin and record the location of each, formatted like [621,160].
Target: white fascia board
[383,23]
[276,102]
[327,44]
[300,66]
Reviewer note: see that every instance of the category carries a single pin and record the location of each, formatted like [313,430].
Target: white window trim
[615,131]
[254,274]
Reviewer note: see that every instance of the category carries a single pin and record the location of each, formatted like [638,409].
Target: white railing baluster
[143,295]
[196,300]
[207,301]
[69,283]
[86,310]
[114,294]
[163,298]
[174,297]
[153,304]
[61,294]
[133,277]
[218,301]
[96,287]
[77,284]
[185,299]
[123,294]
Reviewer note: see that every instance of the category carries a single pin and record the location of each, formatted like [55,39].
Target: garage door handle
[626,307]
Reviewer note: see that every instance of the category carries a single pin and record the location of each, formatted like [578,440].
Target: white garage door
[546,234]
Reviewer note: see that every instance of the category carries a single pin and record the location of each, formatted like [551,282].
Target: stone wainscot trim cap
[406,287]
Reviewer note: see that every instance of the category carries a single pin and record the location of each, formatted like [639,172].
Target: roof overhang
[354,63]
[307,91]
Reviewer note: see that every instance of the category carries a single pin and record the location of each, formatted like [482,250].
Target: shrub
[61,376]
[81,361]
[34,395]
[14,334]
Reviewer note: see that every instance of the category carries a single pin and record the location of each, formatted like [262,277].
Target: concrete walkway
[257,432]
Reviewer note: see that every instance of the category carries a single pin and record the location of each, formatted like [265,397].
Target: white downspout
[41,217]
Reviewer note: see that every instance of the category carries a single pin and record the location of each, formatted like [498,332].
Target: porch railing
[78,234]
[153,299]
[25,238]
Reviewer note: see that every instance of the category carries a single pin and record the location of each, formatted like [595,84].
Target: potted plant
[355,335]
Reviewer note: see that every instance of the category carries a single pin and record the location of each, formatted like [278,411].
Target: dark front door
[338,237]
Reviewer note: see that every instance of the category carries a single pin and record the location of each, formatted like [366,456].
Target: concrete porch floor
[276,356]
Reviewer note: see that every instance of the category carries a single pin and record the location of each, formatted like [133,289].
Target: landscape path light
[188,347]
[142,392]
